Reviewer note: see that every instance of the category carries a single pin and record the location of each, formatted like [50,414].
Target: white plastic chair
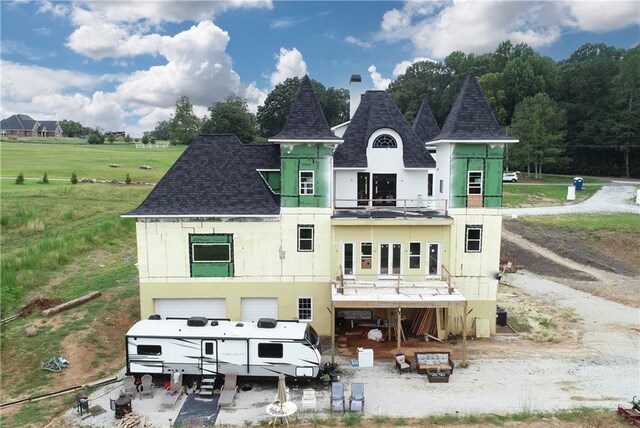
[308,399]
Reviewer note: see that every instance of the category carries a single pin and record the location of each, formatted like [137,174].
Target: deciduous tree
[184,125]
[231,116]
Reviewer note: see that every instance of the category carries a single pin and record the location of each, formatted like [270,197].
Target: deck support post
[464,336]
[333,334]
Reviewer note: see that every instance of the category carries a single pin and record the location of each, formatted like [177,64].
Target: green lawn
[521,195]
[88,161]
[622,223]
[560,179]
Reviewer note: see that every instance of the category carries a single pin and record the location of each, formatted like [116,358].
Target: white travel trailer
[199,346]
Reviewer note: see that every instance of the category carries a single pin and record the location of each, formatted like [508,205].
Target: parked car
[510,177]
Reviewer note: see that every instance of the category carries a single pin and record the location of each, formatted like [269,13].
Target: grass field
[87,160]
[620,223]
[527,195]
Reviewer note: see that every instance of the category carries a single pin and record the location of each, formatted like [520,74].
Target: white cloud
[101,109]
[57,9]
[197,66]
[357,42]
[603,16]
[402,66]
[255,96]
[283,23]
[378,81]
[290,64]
[42,31]
[438,28]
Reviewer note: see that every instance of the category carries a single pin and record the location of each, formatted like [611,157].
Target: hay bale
[31,331]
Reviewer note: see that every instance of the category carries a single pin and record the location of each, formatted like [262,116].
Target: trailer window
[270,350]
[149,350]
[311,336]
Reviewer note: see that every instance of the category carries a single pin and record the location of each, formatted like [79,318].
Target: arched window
[385,141]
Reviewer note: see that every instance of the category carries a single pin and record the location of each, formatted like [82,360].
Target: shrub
[74,178]
[95,137]
[20,179]
[45,178]
[145,139]
[128,139]
[111,138]
[128,179]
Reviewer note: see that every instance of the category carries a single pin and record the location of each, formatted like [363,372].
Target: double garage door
[253,308]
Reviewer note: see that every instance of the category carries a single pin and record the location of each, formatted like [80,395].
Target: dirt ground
[605,264]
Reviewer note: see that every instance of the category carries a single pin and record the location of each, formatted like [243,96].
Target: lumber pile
[133,420]
[424,323]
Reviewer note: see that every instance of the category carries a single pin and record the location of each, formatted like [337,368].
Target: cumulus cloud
[378,81]
[438,28]
[197,66]
[357,42]
[402,66]
[289,64]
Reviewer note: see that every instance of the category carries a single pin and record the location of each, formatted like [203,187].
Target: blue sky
[122,65]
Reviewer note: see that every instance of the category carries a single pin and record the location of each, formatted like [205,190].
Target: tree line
[580,115]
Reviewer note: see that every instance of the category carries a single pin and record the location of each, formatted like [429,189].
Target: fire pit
[121,405]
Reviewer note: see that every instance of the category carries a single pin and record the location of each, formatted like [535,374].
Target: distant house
[22,125]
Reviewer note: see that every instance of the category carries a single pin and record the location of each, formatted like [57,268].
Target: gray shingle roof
[425,125]
[49,124]
[216,175]
[18,121]
[471,117]
[306,120]
[377,110]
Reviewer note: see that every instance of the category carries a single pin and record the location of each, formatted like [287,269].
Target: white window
[390,259]
[473,239]
[433,258]
[211,253]
[366,255]
[430,184]
[305,237]
[414,255]
[306,182]
[348,258]
[305,309]
[474,183]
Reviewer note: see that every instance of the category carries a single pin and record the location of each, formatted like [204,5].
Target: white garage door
[185,308]
[254,308]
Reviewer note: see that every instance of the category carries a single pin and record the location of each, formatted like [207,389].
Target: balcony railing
[390,208]
[392,281]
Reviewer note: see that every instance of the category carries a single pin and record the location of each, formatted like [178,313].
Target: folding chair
[337,397]
[356,399]
[146,387]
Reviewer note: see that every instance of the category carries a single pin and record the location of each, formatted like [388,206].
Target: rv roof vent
[214,323]
[239,325]
[155,317]
[197,321]
[267,323]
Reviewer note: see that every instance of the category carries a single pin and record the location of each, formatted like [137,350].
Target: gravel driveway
[609,199]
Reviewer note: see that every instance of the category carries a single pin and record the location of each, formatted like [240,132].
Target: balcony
[390,208]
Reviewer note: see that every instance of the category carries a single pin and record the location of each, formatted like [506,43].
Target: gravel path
[609,199]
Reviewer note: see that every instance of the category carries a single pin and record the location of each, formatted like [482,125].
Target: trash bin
[501,316]
[577,183]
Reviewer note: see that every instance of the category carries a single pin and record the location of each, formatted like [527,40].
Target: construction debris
[133,420]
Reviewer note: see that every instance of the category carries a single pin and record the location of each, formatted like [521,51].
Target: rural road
[609,199]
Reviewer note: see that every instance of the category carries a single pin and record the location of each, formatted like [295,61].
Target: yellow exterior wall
[392,232]
[164,265]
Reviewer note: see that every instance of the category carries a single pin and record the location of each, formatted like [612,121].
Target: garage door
[254,308]
[185,308]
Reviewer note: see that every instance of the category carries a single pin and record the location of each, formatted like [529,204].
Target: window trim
[210,244]
[312,239]
[353,259]
[304,187]
[370,256]
[466,238]
[310,319]
[428,264]
[390,139]
[414,256]
[479,185]
[390,259]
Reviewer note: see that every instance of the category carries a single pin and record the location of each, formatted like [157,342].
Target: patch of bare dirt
[608,251]
[40,303]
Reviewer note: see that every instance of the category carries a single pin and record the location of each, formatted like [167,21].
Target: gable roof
[50,125]
[377,110]
[471,117]
[306,120]
[18,121]
[425,125]
[216,175]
